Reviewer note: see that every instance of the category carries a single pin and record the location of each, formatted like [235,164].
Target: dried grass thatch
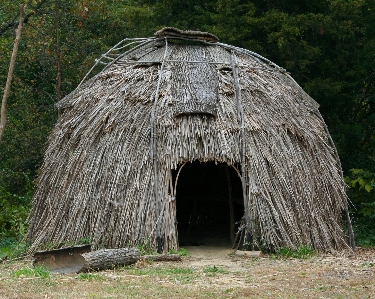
[107,170]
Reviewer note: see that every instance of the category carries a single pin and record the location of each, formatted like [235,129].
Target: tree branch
[14,23]
[3,119]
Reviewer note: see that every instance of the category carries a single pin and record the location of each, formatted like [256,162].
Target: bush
[11,248]
[14,210]
[362,195]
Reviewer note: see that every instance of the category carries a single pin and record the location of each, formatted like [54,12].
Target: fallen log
[162,257]
[109,258]
[254,254]
[78,259]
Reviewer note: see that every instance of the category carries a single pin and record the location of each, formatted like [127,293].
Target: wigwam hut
[179,135]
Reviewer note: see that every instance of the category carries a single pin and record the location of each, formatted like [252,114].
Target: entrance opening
[205,196]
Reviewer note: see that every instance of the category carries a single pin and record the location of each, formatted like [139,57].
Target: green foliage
[38,271]
[302,252]
[11,249]
[362,195]
[367,265]
[362,179]
[364,232]
[146,248]
[15,195]
[363,183]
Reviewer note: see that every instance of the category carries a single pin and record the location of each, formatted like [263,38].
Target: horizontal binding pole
[185,61]
[207,62]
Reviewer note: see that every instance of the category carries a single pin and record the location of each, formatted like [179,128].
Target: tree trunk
[58,54]
[109,258]
[34,12]
[3,119]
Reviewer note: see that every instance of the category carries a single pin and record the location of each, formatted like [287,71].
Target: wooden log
[162,257]
[248,253]
[109,258]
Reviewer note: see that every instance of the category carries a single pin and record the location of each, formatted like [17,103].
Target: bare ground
[209,272]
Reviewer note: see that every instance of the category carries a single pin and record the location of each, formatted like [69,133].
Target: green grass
[38,271]
[181,252]
[89,276]
[180,275]
[159,271]
[214,269]
[302,252]
[177,280]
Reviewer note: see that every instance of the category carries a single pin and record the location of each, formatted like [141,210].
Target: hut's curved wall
[97,179]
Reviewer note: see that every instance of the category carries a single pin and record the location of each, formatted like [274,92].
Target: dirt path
[203,256]
[208,272]
[321,272]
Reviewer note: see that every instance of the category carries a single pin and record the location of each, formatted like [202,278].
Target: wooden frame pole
[3,119]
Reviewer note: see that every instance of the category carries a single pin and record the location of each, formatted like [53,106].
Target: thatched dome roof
[177,97]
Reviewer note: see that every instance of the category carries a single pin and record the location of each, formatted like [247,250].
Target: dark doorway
[203,205]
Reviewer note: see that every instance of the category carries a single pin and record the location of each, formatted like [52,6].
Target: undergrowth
[38,271]
[302,252]
[11,248]
[146,248]
[364,232]
[181,252]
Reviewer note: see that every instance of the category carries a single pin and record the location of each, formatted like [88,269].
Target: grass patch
[303,252]
[38,271]
[213,269]
[179,271]
[89,276]
[159,271]
[188,280]
[181,252]
[175,275]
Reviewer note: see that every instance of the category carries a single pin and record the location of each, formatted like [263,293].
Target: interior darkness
[203,209]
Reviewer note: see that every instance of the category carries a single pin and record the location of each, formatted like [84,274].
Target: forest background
[328,46]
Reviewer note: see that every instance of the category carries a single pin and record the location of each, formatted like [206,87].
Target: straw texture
[98,176]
